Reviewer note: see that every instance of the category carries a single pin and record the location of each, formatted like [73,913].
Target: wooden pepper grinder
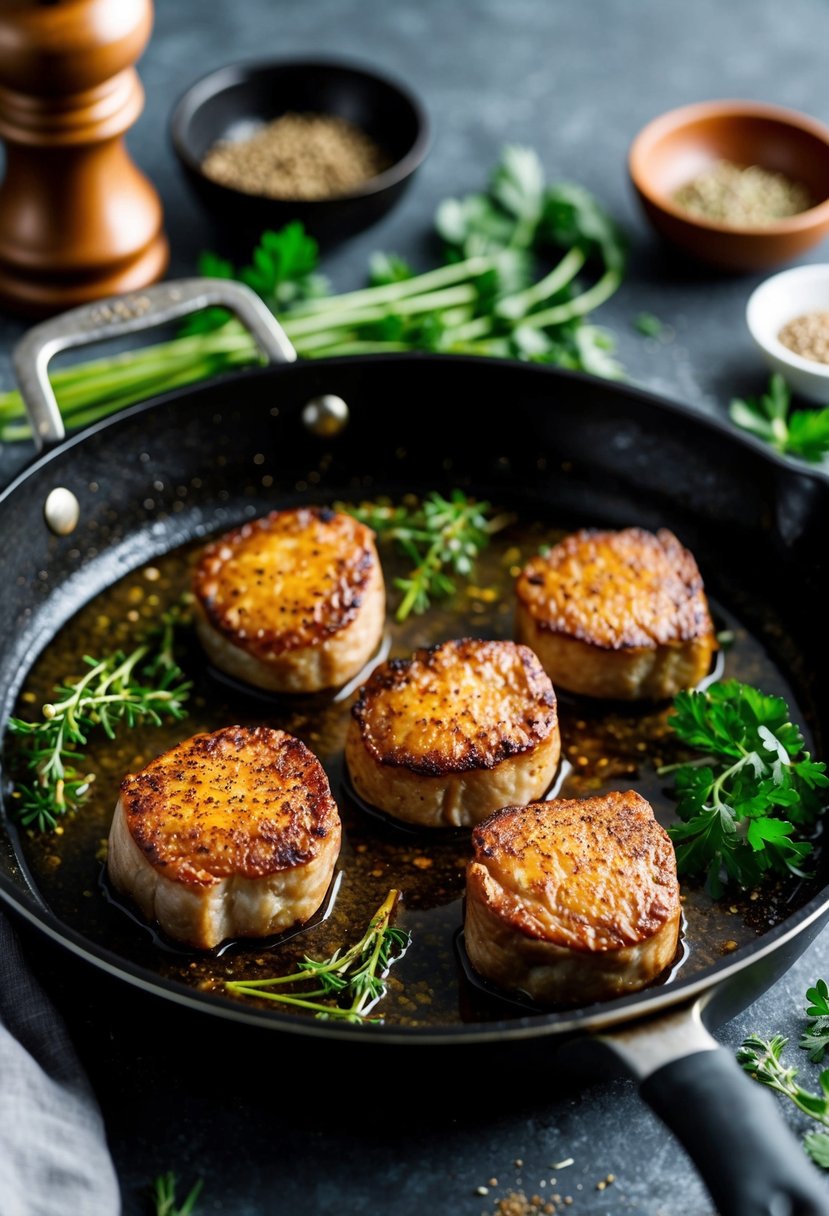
[77,219]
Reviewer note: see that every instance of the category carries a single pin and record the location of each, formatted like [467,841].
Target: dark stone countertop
[268,1127]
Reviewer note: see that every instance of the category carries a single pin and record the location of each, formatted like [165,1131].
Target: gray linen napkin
[54,1159]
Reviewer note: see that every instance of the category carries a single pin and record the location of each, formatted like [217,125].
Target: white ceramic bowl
[780,299]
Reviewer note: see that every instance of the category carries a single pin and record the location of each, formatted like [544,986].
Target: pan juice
[605,746]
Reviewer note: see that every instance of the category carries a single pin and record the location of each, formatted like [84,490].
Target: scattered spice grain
[297,156]
[808,336]
[517,1203]
[742,196]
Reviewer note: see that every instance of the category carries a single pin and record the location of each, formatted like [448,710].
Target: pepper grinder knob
[78,220]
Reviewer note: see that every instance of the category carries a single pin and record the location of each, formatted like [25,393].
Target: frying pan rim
[602,1016]
[694,416]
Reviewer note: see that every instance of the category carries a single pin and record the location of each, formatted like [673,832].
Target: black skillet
[560,446]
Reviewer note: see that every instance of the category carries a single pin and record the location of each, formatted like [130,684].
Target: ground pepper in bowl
[807,335]
[297,156]
[742,196]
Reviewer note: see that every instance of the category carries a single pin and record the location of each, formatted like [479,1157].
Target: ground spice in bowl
[808,335]
[297,156]
[742,196]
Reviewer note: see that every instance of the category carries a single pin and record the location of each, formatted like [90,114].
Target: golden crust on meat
[466,703]
[292,602]
[617,614]
[456,730]
[572,900]
[232,834]
[241,801]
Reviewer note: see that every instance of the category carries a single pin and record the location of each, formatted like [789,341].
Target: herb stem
[390,293]
[577,307]
[142,686]
[358,972]
[348,318]
[515,306]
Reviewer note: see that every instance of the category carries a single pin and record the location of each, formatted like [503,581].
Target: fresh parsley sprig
[352,982]
[753,765]
[144,686]
[803,433]
[438,535]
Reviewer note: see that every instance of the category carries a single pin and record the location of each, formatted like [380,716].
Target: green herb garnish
[142,687]
[437,535]
[762,1060]
[753,765]
[815,1038]
[494,294]
[164,1196]
[648,325]
[352,983]
[816,1145]
[803,433]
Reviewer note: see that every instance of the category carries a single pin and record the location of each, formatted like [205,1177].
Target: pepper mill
[78,221]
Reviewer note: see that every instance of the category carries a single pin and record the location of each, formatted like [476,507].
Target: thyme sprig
[352,982]
[144,686]
[762,1059]
[437,535]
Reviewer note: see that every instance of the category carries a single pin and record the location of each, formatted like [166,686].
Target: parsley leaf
[742,799]
[815,1038]
[517,183]
[803,433]
[817,1146]
[282,267]
[387,268]
[281,272]
[819,1000]
[572,216]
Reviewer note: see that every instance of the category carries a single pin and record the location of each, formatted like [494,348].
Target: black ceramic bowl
[230,102]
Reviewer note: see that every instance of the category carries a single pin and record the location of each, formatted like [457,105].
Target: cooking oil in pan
[604,747]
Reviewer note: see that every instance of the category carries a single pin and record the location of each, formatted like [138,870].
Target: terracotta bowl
[673,148]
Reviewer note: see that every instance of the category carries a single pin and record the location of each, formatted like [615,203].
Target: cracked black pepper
[297,156]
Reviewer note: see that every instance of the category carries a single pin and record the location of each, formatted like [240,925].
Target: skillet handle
[125,315]
[729,1125]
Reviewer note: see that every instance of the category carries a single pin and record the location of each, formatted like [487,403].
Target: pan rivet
[325,416]
[61,511]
